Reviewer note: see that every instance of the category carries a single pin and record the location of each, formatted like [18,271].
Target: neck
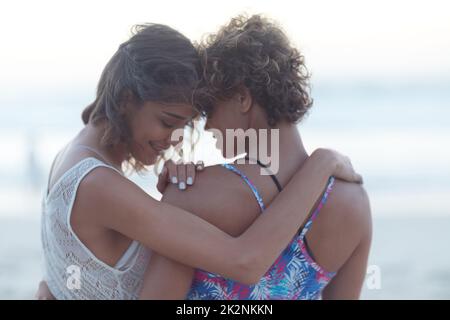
[92,135]
[288,147]
[291,145]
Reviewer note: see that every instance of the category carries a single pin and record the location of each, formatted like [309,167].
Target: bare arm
[208,199]
[218,197]
[340,238]
[183,237]
[348,282]
[166,279]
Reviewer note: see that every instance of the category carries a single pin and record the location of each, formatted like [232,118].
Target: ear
[128,102]
[244,99]
[127,96]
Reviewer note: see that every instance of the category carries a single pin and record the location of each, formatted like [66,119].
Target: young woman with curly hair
[257,80]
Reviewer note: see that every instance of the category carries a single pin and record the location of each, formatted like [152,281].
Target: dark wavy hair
[156,64]
[256,53]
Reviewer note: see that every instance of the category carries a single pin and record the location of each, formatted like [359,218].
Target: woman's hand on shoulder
[180,174]
[340,165]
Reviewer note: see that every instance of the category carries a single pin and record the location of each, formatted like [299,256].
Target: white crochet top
[72,270]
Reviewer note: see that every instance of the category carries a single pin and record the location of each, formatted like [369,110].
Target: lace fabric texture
[71,270]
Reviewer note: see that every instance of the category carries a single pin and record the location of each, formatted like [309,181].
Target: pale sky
[62,43]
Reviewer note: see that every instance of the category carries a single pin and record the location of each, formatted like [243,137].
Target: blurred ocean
[397,136]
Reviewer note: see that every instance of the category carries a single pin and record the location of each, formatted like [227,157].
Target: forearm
[183,237]
[178,235]
[166,279]
[269,235]
[249,256]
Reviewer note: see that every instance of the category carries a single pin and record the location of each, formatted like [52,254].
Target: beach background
[381,89]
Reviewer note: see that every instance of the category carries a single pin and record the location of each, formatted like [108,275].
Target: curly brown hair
[256,53]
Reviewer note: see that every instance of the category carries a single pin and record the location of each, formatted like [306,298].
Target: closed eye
[167,125]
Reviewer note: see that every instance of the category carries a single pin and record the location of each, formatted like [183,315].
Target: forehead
[183,110]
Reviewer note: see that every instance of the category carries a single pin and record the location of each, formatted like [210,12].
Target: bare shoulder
[349,204]
[95,193]
[219,197]
[341,225]
[102,181]
[103,193]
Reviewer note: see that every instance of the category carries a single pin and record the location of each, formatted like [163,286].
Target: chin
[146,160]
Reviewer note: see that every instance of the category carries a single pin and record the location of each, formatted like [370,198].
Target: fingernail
[182,185]
[189,181]
[174,180]
[200,165]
